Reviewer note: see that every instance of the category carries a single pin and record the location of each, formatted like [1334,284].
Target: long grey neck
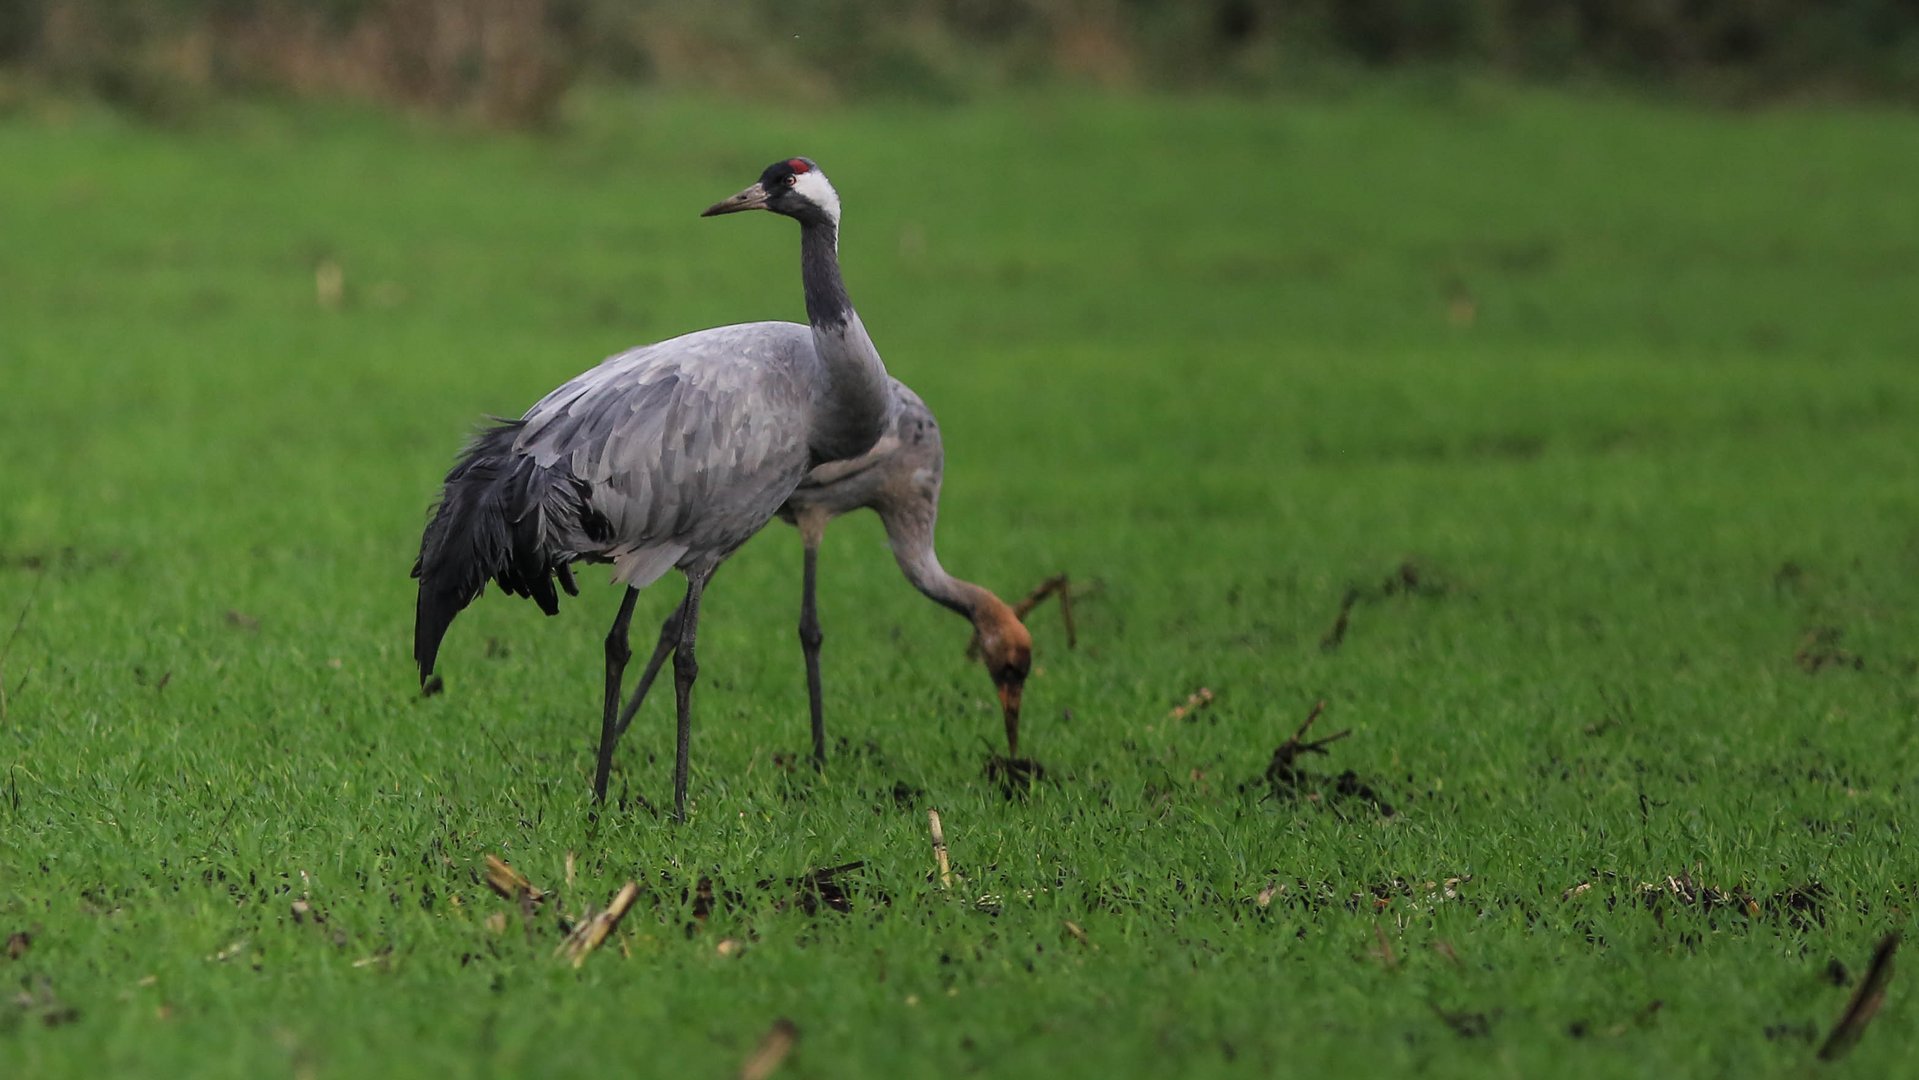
[910,534]
[853,413]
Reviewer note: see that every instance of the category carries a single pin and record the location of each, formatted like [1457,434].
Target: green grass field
[1606,416]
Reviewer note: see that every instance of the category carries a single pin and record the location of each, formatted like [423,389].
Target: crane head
[1007,648]
[795,187]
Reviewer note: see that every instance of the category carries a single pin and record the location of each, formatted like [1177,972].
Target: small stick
[1337,634]
[1313,715]
[773,1048]
[1317,746]
[939,849]
[1865,1002]
[1292,749]
[593,929]
[1057,585]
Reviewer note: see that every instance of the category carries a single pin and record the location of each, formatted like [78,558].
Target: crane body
[666,456]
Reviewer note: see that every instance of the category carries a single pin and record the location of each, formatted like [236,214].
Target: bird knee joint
[685,666]
[617,649]
[810,635]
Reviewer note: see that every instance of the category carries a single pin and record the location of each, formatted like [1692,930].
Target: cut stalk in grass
[592,930]
[772,1050]
[939,849]
[510,884]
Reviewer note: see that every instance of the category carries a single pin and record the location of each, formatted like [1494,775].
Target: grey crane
[899,478]
[666,456]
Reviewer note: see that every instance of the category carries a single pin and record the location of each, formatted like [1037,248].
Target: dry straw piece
[939,849]
[509,883]
[772,1050]
[594,928]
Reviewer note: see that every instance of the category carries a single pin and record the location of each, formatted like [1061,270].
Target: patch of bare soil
[1016,777]
[1819,649]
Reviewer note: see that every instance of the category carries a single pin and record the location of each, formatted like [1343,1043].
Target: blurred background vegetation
[511,62]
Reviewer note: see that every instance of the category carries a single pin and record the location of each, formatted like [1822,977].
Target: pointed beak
[1009,695]
[753,198]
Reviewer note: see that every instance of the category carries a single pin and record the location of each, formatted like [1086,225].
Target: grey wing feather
[688,446]
[903,467]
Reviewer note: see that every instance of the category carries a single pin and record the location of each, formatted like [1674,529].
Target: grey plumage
[898,478]
[668,455]
[687,446]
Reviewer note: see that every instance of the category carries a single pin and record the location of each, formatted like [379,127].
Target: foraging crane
[666,456]
[899,478]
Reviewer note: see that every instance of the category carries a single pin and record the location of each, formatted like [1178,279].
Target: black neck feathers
[826,301]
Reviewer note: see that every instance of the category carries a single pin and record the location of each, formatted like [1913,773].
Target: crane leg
[810,638]
[669,637]
[686,668]
[618,652]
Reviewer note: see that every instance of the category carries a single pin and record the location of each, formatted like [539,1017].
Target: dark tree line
[511,61]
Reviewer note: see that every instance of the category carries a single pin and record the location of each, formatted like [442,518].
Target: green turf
[1605,415]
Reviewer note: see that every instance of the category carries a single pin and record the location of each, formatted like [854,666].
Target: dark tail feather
[503,517]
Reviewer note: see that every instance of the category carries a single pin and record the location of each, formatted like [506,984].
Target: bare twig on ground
[594,928]
[1336,635]
[1864,1004]
[1057,585]
[772,1050]
[939,849]
[1294,748]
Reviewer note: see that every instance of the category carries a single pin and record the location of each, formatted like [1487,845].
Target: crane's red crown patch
[800,165]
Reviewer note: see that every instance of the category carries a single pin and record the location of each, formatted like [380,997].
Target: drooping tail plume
[501,516]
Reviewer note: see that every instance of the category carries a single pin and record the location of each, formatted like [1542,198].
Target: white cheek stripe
[814,185]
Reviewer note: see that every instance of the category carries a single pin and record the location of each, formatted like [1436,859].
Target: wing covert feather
[693,441]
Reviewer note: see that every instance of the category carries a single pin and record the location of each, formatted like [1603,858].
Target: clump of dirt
[1015,776]
[1819,650]
[1287,777]
[1467,1024]
[1348,785]
[1800,907]
[824,888]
